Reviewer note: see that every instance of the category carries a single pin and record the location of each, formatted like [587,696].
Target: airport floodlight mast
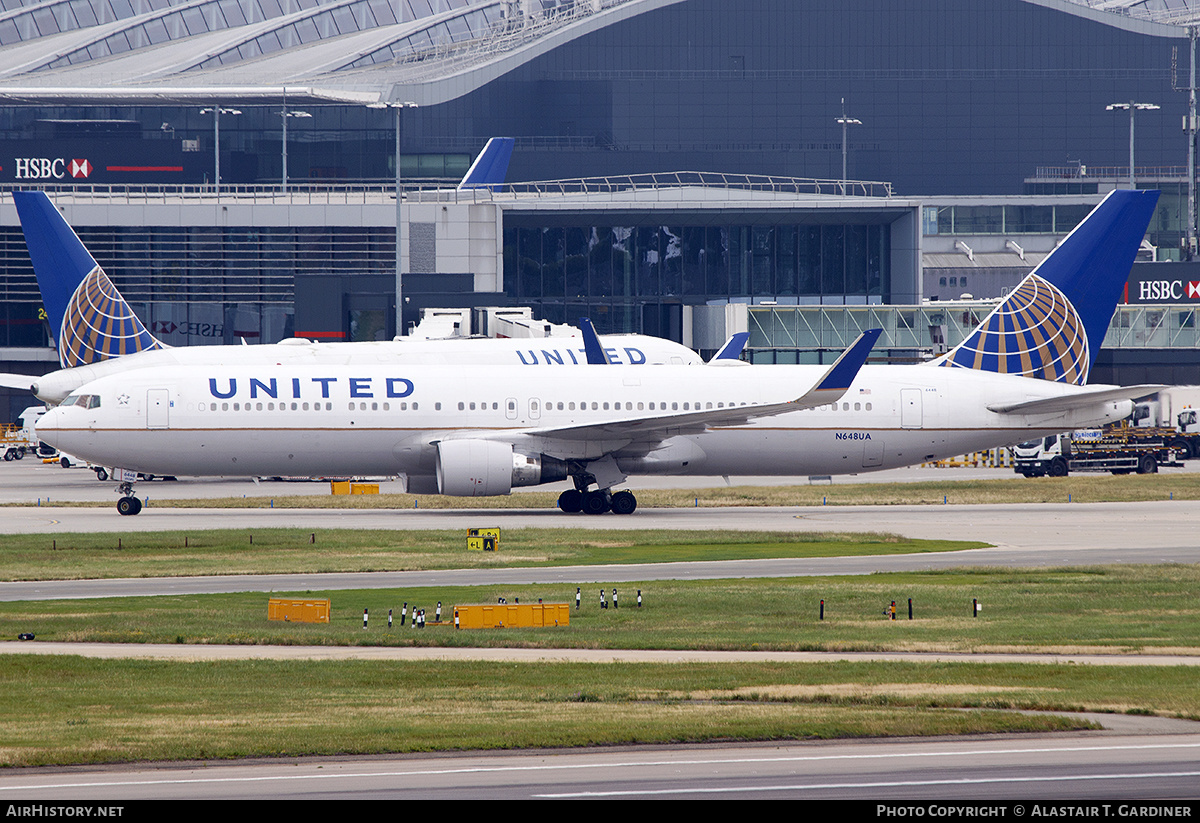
[397,108]
[284,115]
[1132,108]
[845,121]
[216,112]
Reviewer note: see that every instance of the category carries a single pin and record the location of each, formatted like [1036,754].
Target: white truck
[1118,449]
[20,439]
[1174,413]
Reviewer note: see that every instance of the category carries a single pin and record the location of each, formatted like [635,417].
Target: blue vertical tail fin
[1051,326]
[88,316]
[490,167]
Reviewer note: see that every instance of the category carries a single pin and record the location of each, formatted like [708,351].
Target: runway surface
[1120,769]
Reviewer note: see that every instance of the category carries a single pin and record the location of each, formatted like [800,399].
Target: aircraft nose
[47,426]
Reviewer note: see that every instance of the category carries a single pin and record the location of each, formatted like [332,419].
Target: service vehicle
[1119,449]
[20,439]
[1173,412]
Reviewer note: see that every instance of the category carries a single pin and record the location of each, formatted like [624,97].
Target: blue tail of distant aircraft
[1051,326]
[490,167]
[89,318]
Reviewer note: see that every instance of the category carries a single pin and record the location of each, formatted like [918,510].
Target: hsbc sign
[47,168]
[1176,282]
[1173,291]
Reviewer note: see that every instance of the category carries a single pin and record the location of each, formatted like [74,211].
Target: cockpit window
[87,401]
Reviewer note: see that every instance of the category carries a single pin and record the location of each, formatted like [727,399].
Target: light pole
[845,121]
[216,112]
[285,114]
[397,108]
[1133,108]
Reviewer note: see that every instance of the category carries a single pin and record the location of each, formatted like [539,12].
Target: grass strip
[66,710]
[289,551]
[1118,609]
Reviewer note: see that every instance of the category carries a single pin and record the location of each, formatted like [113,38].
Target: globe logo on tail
[98,324]
[1034,332]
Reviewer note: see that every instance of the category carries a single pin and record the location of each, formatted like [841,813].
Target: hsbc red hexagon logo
[81,168]
[1193,290]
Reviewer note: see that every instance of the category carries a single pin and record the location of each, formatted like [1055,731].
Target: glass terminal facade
[625,270]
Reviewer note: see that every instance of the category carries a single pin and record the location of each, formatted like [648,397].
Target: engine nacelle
[483,468]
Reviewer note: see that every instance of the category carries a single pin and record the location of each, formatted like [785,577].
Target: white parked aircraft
[483,430]
[98,333]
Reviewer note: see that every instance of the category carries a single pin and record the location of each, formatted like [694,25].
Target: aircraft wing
[831,386]
[1075,400]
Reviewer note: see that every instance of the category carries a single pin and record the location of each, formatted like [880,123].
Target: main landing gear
[128,504]
[603,474]
[600,501]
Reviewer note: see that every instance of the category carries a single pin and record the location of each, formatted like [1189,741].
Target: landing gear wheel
[129,505]
[623,502]
[1147,464]
[596,503]
[571,501]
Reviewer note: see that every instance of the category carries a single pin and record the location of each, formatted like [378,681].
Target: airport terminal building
[233,166]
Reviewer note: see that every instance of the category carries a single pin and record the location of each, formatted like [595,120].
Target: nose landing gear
[128,504]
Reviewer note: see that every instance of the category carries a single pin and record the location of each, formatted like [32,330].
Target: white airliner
[478,431]
[99,334]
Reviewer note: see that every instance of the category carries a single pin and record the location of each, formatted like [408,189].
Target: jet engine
[482,468]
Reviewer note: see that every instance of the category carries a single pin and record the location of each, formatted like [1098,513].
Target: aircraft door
[910,409]
[158,405]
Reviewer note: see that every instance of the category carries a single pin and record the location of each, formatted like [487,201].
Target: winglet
[595,353]
[732,350]
[841,374]
[490,167]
